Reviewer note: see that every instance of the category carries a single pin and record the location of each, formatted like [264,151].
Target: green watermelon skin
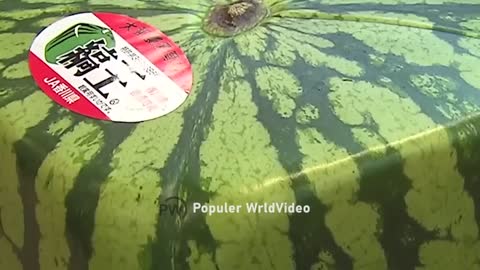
[373,123]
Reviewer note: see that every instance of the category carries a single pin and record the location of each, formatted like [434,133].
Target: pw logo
[174,206]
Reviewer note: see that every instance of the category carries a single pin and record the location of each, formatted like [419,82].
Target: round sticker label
[110,67]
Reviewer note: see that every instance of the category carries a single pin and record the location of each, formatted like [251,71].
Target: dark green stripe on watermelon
[14,93]
[181,175]
[394,67]
[81,201]
[308,232]
[383,183]
[12,89]
[432,12]
[28,165]
[466,140]
[402,236]
[386,185]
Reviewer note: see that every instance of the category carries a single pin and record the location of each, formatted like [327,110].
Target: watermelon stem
[315,14]
[235,18]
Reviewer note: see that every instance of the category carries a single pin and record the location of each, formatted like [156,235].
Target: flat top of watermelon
[367,111]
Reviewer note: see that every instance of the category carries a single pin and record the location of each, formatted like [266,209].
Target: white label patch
[110,67]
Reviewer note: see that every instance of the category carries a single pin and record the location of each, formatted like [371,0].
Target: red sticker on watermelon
[110,67]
